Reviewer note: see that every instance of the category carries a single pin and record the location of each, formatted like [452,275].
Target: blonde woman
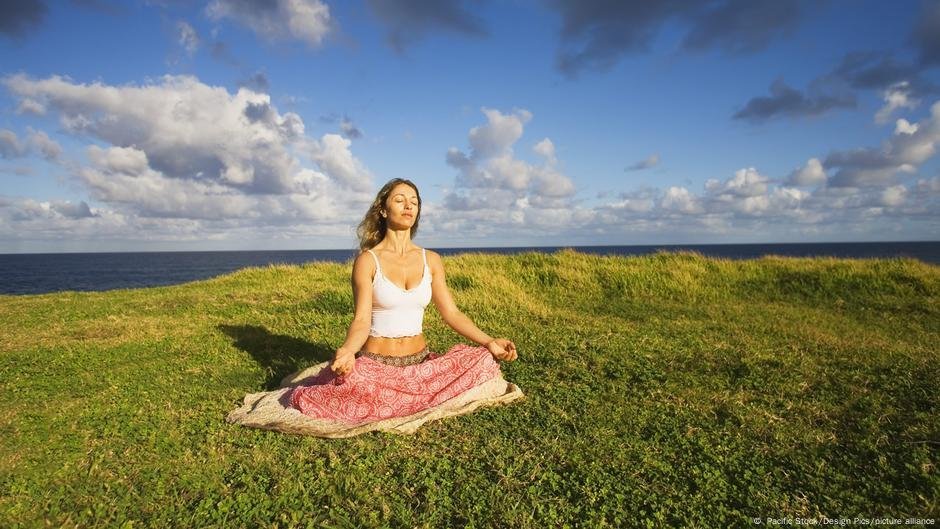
[384,368]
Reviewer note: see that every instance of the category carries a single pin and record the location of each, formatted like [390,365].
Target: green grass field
[663,390]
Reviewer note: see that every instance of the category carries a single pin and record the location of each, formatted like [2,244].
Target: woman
[384,368]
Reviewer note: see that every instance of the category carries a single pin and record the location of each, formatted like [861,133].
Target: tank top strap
[424,254]
[378,267]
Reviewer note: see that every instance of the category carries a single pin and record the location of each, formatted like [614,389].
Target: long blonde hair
[371,230]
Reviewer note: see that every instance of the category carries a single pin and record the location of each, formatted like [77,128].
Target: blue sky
[236,124]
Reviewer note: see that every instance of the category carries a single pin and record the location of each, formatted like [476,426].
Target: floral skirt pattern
[375,391]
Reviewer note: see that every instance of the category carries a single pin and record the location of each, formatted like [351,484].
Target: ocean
[54,272]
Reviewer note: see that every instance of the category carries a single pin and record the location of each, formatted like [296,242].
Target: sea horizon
[39,273]
[572,246]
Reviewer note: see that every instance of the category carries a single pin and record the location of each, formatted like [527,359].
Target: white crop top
[397,312]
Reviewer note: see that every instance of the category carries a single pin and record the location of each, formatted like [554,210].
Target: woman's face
[402,206]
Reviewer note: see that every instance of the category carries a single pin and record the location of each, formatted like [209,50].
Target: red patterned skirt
[375,391]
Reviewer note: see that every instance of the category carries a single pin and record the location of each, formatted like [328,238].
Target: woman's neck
[397,241]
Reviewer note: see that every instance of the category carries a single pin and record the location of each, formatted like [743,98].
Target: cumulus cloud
[188,155]
[332,154]
[492,164]
[893,196]
[808,201]
[637,201]
[903,126]
[901,81]
[122,176]
[10,145]
[124,160]
[20,16]
[651,161]
[749,201]
[896,96]
[499,134]
[29,106]
[409,20]
[188,129]
[745,183]
[305,20]
[680,200]
[811,174]
[546,149]
[495,186]
[901,153]
[595,35]
[48,147]
[929,185]
[29,209]
[787,101]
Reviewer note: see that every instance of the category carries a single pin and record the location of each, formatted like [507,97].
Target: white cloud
[187,37]
[745,183]
[810,174]
[332,154]
[782,201]
[494,186]
[680,200]
[547,181]
[190,130]
[10,145]
[499,134]
[32,210]
[185,154]
[546,149]
[29,106]
[638,201]
[492,163]
[929,185]
[893,196]
[895,96]
[126,160]
[305,20]
[48,147]
[903,152]
[902,126]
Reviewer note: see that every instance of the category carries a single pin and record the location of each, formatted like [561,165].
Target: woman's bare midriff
[404,346]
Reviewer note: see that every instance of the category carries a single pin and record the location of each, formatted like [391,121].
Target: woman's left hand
[502,349]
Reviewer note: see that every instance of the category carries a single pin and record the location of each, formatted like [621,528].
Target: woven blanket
[378,397]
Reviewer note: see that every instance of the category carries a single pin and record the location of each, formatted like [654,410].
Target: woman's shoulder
[434,258]
[364,259]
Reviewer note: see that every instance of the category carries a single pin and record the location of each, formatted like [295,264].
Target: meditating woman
[384,369]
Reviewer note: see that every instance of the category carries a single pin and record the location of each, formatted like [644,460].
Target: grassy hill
[662,390]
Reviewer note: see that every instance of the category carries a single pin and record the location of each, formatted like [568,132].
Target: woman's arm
[358,332]
[501,348]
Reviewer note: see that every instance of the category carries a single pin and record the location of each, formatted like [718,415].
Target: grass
[662,390]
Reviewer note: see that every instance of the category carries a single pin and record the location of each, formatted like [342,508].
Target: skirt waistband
[399,361]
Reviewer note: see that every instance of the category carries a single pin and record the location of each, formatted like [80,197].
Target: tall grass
[662,390]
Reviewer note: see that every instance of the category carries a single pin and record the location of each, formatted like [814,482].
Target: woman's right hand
[502,349]
[343,362]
